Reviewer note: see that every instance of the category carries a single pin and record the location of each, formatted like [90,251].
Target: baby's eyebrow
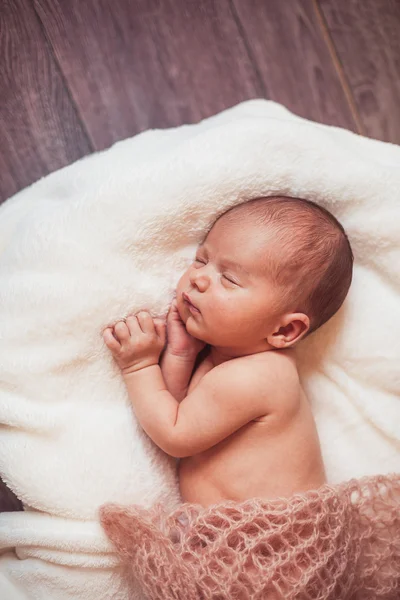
[227,262]
[230,263]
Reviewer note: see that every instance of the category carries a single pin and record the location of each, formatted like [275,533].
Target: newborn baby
[269,272]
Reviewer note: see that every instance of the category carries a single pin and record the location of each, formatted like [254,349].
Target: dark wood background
[78,75]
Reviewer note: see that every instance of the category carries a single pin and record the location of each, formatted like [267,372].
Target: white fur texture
[110,235]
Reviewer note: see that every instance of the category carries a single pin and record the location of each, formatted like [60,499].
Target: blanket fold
[337,542]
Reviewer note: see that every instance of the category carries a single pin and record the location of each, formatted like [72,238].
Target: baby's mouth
[189,303]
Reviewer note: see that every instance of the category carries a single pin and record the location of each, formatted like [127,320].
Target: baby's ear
[291,329]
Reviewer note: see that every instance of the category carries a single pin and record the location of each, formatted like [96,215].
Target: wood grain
[149,63]
[366,35]
[39,128]
[293,60]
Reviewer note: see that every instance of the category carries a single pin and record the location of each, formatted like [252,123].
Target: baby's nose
[200,281]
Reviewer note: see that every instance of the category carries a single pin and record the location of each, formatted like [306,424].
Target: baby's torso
[276,455]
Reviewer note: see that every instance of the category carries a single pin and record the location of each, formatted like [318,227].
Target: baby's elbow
[179,454]
[179,447]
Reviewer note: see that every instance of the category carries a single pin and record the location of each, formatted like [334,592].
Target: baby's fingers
[121,332]
[173,313]
[160,328]
[145,321]
[110,340]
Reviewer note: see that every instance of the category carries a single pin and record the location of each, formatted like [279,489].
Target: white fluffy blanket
[110,235]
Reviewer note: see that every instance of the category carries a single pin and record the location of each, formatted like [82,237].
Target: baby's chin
[218,340]
[199,331]
[196,329]
[193,326]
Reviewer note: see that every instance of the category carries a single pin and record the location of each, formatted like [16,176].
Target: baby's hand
[180,342]
[136,343]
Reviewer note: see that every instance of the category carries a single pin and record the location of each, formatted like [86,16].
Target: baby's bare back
[276,455]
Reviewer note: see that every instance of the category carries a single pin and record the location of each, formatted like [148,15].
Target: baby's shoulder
[267,381]
[278,382]
[271,372]
[272,363]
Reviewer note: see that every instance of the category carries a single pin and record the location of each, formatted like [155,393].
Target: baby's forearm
[155,407]
[177,371]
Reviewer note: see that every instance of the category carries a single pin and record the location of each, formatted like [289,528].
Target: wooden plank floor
[366,36]
[40,129]
[76,76]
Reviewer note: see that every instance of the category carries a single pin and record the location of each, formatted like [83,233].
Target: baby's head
[269,272]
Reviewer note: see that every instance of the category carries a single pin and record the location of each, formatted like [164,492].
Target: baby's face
[238,304]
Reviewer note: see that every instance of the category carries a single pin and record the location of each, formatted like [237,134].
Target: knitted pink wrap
[338,542]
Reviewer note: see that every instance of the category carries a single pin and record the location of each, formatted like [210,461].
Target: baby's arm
[228,397]
[177,371]
[179,357]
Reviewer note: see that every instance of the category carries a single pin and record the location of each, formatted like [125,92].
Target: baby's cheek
[224,309]
[182,284]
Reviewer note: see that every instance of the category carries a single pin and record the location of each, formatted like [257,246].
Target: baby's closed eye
[227,277]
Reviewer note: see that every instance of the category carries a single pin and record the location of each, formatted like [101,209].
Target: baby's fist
[180,342]
[137,342]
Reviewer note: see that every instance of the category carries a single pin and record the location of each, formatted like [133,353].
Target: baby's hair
[315,261]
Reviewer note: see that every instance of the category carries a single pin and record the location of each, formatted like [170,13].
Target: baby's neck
[219,355]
